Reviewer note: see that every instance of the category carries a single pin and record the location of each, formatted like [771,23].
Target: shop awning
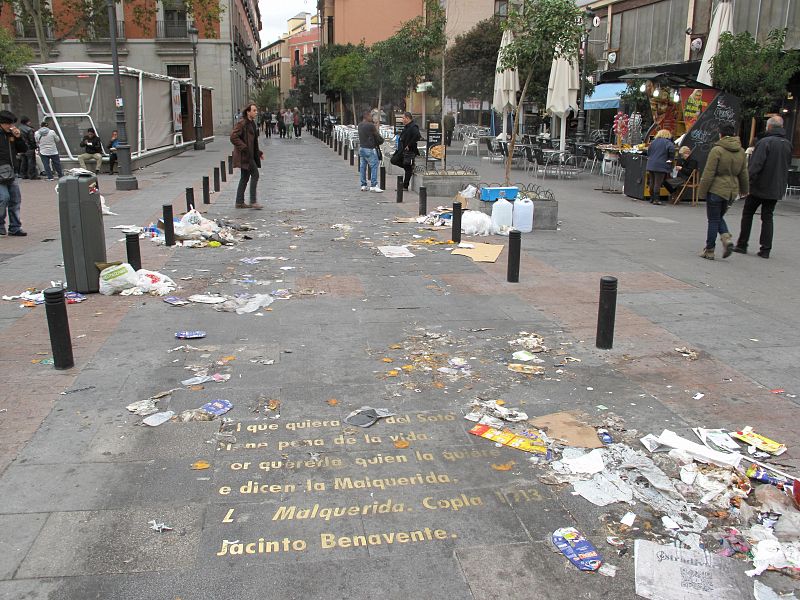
[606,95]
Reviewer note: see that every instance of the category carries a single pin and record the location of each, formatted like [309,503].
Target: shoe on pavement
[376,189]
[239,206]
[740,250]
[364,188]
[256,206]
[760,253]
[21,233]
[2,232]
[727,245]
[708,253]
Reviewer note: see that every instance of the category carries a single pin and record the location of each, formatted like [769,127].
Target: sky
[274,14]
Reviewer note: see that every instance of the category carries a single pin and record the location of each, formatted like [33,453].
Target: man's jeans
[27,165]
[10,199]
[368,156]
[716,207]
[55,161]
[250,174]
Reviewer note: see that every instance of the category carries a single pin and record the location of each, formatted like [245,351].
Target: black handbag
[397,158]
[408,158]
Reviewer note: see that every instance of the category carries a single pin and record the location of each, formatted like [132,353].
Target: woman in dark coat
[408,142]
[246,155]
[659,162]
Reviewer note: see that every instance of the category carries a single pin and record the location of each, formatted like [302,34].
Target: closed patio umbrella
[562,92]
[506,85]
[720,23]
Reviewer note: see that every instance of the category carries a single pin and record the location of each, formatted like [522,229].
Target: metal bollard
[514,243]
[169,225]
[399,188]
[222,171]
[345,156]
[230,165]
[189,199]
[216,179]
[134,252]
[423,200]
[382,182]
[606,313]
[57,322]
[206,190]
[341,146]
[353,158]
[455,234]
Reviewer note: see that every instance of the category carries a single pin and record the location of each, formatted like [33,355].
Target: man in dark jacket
[92,150]
[408,145]
[27,163]
[11,144]
[769,171]
[246,155]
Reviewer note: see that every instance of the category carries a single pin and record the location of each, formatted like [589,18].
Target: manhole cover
[620,214]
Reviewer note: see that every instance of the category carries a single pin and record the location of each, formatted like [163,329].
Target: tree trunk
[33,8]
[380,101]
[510,156]
[353,99]
[341,108]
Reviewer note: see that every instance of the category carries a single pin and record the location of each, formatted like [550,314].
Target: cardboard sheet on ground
[569,428]
[668,573]
[481,252]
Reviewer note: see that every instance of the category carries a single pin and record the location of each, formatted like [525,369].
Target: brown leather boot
[708,253]
[727,244]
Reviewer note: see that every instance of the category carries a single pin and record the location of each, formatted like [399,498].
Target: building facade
[275,67]
[161,44]
[368,21]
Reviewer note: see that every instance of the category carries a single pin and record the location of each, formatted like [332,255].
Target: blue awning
[606,95]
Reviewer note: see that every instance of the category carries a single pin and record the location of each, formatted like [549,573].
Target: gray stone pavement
[446,514]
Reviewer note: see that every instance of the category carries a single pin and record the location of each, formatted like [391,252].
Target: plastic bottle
[502,215]
[523,215]
[604,436]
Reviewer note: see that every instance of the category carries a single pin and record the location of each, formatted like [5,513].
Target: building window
[501,8]
[296,57]
[179,71]
[175,24]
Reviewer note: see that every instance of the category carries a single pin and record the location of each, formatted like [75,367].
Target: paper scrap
[481,252]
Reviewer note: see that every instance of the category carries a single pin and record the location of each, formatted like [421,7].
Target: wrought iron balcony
[172,30]
[98,30]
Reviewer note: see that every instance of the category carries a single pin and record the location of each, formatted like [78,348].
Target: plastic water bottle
[502,215]
[523,215]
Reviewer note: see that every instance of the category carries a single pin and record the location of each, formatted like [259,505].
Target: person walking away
[769,173]
[369,140]
[408,143]
[281,124]
[275,127]
[11,145]
[246,155]
[288,122]
[48,141]
[268,123]
[113,143]
[449,127]
[27,164]
[297,122]
[659,162]
[93,150]
[724,177]
[686,165]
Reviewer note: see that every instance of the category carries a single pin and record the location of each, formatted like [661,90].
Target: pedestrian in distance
[27,163]
[449,127]
[113,144]
[724,178]
[93,150]
[288,122]
[369,141]
[11,146]
[268,123]
[297,123]
[246,155]
[768,171]
[659,162]
[408,144]
[281,123]
[48,141]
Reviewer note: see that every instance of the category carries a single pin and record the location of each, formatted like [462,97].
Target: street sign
[425,86]
[319,98]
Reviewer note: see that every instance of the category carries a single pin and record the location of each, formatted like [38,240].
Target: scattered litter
[529,341]
[607,570]
[159,527]
[207,298]
[577,549]
[698,396]
[669,523]
[613,540]
[504,466]
[588,463]
[176,301]
[698,452]
[568,428]
[748,436]
[122,279]
[690,354]
[526,356]
[507,438]
[492,408]
[401,444]
[604,436]
[480,252]
[158,418]
[395,252]
[628,519]
[526,369]
[366,416]
[199,379]
[76,390]
[143,407]
[190,335]
[772,554]
[716,439]
[217,407]
[200,465]
[208,412]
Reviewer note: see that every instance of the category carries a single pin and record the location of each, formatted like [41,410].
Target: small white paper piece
[395,252]
[628,519]
[698,396]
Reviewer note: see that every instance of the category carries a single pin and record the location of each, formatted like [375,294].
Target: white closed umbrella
[506,84]
[562,92]
[721,22]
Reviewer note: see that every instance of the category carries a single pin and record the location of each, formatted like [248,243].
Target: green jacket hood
[730,143]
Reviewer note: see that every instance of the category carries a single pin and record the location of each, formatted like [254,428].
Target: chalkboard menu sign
[398,125]
[434,136]
[724,109]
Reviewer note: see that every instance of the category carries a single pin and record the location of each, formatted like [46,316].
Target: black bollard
[189,199]
[60,341]
[206,190]
[399,188]
[169,225]
[134,253]
[216,179]
[341,146]
[455,234]
[514,243]
[230,165]
[352,158]
[382,182]
[423,200]
[606,313]
[222,170]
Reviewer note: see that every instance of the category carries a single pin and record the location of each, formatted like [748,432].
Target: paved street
[299,504]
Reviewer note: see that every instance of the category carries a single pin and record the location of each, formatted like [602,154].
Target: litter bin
[83,241]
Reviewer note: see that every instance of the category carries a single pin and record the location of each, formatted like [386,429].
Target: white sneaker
[364,188]
[376,189]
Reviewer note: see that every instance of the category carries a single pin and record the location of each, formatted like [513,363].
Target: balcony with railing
[28,31]
[98,30]
[172,30]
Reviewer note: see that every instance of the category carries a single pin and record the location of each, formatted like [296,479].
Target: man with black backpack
[27,163]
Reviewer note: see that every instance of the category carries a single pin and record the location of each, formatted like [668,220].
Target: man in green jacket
[724,178]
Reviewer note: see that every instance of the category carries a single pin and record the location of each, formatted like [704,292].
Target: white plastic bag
[469,191]
[193,225]
[151,282]
[117,278]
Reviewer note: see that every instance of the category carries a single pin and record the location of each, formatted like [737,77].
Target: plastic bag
[193,225]
[469,191]
[151,282]
[117,278]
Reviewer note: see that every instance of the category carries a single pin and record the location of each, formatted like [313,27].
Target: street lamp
[587,22]
[125,179]
[199,144]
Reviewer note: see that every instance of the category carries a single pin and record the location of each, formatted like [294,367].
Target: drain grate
[620,214]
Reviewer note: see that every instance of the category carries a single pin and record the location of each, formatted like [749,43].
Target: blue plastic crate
[491,194]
